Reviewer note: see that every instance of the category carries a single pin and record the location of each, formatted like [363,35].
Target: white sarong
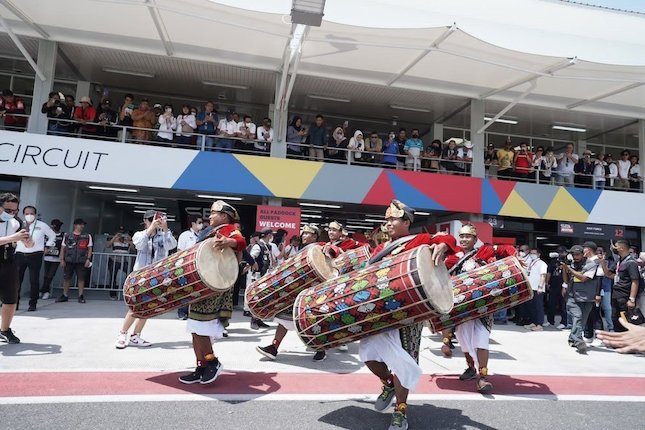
[213,329]
[472,335]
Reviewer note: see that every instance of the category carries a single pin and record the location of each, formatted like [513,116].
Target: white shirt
[227,127]
[623,168]
[167,126]
[467,153]
[566,165]
[250,126]
[599,171]
[10,227]
[37,230]
[186,240]
[537,268]
[145,245]
[189,119]
[262,138]
[635,170]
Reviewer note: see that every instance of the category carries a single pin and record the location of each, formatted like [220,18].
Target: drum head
[435,281]
[218,269]
[320,263]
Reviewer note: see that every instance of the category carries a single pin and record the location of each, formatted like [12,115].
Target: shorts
[9,283]
[71,268]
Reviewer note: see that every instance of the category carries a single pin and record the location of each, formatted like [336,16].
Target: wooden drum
[180,279]
[393,293]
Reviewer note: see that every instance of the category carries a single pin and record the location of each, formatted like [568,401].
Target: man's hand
[632,340]
[221,242]
[564,292]
[630,304]
[598,299]
[87,263]
[20,235]
[438,252]
[62,263]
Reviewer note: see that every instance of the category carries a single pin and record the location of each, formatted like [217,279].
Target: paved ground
[67,372]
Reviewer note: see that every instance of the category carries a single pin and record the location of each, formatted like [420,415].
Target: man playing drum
[338,240]
[474,335]
[203,321]
[393,355]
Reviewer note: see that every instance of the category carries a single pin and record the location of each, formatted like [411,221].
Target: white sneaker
[121,341]
[46,296]
[546,324]
[343,348]
[135,340]
[588,339]
[597,343]
[561,326]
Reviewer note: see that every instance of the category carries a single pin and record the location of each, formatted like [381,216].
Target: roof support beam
[24,18]
[515,101]
[549,71]
[160,26]
[422,55]
[605,95]
[22,49]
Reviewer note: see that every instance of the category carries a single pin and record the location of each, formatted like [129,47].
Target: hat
[222,206]
[310,228]
[398,209]
[490,145]
[468,144]
[608,156]
[266,231]
[591,245]
[86,99]
[576,249]
[457,140]
[587,151]
[56,222]
[78,221]
[468,229]
[336,226]
[150,213]
[157,105]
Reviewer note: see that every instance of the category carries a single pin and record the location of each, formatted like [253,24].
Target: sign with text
[594,231]
[278,217]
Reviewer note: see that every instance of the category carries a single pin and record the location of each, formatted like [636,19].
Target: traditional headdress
[222,206]
[468,229]
[398,209]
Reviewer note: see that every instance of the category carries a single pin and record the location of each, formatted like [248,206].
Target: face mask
[5,216]
[522,254]
[30,218]
[391,136]
[200,225]
[415,136]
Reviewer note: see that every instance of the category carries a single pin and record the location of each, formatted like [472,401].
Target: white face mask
[5,216]
[30,218]
[522,254]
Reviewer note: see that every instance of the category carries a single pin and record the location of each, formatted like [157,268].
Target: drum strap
[457,267]
[391,247]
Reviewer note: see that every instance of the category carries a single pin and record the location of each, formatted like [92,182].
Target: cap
[157,105]
[86,99]
[468,229]
[591,245]
[310,228]
[266,231]
[150,213]
[398,209]
[576,249]
[256,234]
[222,206]
[336,226]
[56,222]
[78,221]
[468,144]
[490,145]
[561,248]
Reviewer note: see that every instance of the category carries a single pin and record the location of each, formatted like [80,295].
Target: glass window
[23,86]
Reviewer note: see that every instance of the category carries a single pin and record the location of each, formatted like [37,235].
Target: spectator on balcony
[186,125]
[412,149]
[356,147]
[296,135]
[535,164]
[600,171]
[449,157]
[584,169]
[505,158]
[613,171]
[264,136]
[635,178]
[390,151]
[167,126]
[431,156]
[12,108]
[624,164]
[465,154]
[373,149]
[125,117]
[55,109]
[401,139]
[566,165]
[106,117]
[522,163]
[85,114]
[246,130]
[207,123]
[490,161]
[143,120]
[68,126]
[317,138]
[544,163]
[336,142]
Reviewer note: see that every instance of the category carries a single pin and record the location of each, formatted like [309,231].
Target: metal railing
[108,272]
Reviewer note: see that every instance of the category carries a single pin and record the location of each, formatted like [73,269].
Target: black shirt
[556,279]
[626,272]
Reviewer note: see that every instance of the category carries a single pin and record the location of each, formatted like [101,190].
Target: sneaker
[8,336]
[246,313]
[121,341]
[399,421]
[483,386]
[46,296]
[385,399]
[62,298]
[32,308]
[320,356]
[343,348]
[270,352]
[588,339]
[561,326]
[537,328]
[225,333]
[81,299]
[530,326]
[254,324]
[262,324]
[597,343]
[211,372]
[468,374]
[194,377]
[135,340]
[546,324]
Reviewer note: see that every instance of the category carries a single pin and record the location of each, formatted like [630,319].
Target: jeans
[618,305]
[221,143]
[33,262]
[579,314]
[51,267]
[316,153]
[536,308]
[556,301]
[600,185]
[566,180]
[607,283]
[209,143]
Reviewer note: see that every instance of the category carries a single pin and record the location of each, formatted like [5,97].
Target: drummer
[393,355]
[309,234]
[339,241]
[474,335]
[203,321]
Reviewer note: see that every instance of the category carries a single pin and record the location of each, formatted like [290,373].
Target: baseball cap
[157,105]
[591,245]
[576,249]
[266,231]
[78,221]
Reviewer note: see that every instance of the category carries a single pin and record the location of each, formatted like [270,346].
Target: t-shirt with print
[504,159]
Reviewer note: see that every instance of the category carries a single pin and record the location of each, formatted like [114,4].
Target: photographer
[554,279]
[54,109]
[582,287]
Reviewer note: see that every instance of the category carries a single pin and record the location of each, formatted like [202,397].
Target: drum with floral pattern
[485,290]
[352,259]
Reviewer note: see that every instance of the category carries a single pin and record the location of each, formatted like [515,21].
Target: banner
[278,217]
[594,231]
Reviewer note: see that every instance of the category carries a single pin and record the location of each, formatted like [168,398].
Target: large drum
[180,279]
[352,260]
[275,292]
[484,291]
[392,293]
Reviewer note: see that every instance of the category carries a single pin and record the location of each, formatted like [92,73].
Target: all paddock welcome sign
[278,217]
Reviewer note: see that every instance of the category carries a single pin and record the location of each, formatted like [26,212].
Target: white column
[279,147]
[641,139]
[83,88]
[273,201]
[47,64]
[29,192]
[478,140]
[581,146]
[437,131]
